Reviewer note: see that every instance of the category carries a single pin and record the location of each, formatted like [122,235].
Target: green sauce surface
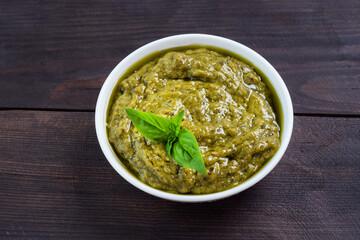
[229,107]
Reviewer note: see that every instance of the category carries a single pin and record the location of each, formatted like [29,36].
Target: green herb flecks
[180,143]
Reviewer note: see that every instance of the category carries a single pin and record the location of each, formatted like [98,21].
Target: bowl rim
[179,41]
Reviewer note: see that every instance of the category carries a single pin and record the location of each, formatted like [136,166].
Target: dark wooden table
[55,181]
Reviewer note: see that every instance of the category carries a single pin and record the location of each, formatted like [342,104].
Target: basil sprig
[180,143]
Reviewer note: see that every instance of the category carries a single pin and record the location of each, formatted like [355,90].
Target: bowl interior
[244,52]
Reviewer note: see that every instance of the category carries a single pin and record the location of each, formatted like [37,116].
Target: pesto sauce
[155,178]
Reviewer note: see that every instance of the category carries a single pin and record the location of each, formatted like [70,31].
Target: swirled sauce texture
[227,108]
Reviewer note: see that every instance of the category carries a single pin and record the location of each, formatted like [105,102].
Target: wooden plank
[57,55]
[56,183]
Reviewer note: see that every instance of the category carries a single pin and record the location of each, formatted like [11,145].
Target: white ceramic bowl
[185,40]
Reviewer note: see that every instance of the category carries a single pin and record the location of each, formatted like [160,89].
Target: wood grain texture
[57,54]
[56,184]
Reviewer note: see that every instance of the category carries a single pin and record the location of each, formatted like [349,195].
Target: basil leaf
[181,145]
[185,151]
[169,145]
[151,126]
[175,123]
